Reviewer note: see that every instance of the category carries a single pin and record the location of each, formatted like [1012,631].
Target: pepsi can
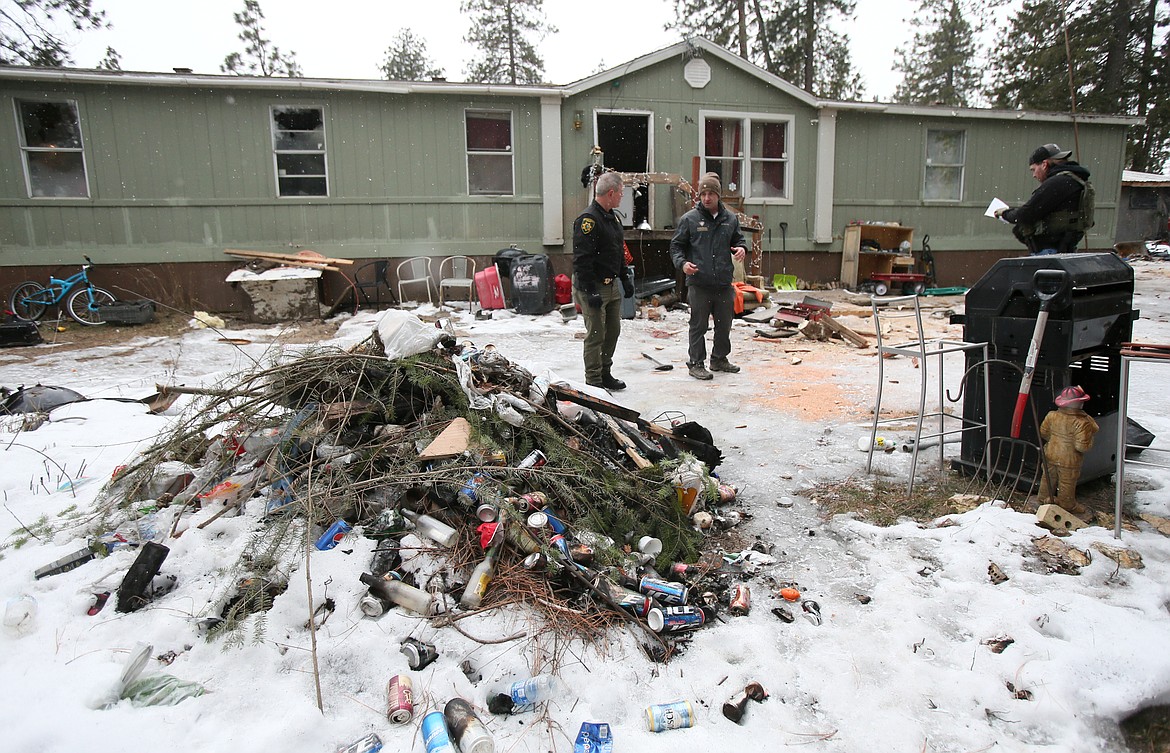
[664,716]
[333,535]
[553,521]
[435,735]
[664,590]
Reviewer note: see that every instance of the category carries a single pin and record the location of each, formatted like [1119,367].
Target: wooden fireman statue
[1067,433]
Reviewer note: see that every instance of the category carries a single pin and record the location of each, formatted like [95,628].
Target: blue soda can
[664,716]
[562,546]
[679,619]
[639,604]
[435,734]
[664,590]
[333,535]
[553,521]
[594,737]
[469,493]
[371,743]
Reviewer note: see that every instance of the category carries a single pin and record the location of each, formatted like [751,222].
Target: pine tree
[260,56]
[941,64]
[793,39]
[503,32]
[1109,65]
[407,60]
[28,30]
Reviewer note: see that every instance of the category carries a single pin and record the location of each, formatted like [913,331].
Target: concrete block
[1057,518]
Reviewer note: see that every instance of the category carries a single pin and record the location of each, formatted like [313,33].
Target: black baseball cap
[1048,151]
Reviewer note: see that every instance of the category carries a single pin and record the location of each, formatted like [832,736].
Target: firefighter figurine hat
[1073,396]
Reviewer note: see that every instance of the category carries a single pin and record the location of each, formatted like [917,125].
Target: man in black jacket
[599,279]
[707,239]
[1052,220]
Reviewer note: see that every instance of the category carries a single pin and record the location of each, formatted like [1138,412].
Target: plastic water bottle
[523,695]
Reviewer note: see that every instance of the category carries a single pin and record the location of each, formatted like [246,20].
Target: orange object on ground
[740,289]
[790,594]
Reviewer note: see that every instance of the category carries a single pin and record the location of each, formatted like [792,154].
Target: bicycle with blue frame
[82,299]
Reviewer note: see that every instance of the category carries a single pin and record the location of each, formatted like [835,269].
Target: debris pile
[484,486]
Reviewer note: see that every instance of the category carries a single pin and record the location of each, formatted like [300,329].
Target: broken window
[298,143]
[946,152]
[764,156]
[50,143]
[489,153]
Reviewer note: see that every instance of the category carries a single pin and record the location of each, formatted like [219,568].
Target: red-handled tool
[1047,284]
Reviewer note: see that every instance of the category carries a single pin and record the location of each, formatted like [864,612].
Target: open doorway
[624,137]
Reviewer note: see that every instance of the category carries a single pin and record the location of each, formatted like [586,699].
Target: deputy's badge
[587,225]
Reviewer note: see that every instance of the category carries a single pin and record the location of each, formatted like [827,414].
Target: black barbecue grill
[1088,320]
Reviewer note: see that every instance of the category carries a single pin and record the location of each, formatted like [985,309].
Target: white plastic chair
[412,271]
[457,272]
[906,311]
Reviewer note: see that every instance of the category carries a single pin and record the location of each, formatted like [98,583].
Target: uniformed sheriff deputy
[599,279]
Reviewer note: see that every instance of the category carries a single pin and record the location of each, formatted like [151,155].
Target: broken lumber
[625,442]
[309,258]
[847,334]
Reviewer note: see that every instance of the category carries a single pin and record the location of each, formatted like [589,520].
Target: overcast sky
[348,38]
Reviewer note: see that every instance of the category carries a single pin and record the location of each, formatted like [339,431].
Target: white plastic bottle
[433,528]
[522,695]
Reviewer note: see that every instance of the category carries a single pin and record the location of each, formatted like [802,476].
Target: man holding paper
[1054,218]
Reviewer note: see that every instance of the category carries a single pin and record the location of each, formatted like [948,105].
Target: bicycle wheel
[29,301]
[83,304]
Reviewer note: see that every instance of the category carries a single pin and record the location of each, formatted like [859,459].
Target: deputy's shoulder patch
[587,225]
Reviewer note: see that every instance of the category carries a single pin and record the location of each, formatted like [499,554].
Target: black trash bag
[39,398]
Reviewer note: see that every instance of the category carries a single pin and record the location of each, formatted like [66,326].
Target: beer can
[372,606]
[741,599]
[435,734]
[487,512]
[418,654]
[371,743]
[400,692]
[663,716]
[553,521]
[637,603]
[333,535]
[531,501]
[537,520]
[681,619]
[664,590]
[534,459]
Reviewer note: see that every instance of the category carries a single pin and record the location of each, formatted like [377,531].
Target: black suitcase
[16,333]
[532,284]
[127,312]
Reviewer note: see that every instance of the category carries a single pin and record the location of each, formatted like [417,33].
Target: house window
[755,167]
[489,153]
[945,154]
[298,144]
[50,143]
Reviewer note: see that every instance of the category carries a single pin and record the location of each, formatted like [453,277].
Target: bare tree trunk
[810,43]
[741,12]
[1113,72]
[511,41]
[1141,157]
[765,42]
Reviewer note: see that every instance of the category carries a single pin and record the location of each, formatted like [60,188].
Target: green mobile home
[154,175]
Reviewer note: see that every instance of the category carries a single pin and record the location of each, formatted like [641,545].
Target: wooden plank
[561,392]
[626,443]
[304,264]
[845,332]
[312,256]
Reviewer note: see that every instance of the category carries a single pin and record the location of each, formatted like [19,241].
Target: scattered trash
[134,592]
[152,690]
[784,614]
[594,737]
[995,574]
[735,708]
[999,644]
[812,611]
[20,615]
[522,695]
[64,564]
[370,743]
[466,729]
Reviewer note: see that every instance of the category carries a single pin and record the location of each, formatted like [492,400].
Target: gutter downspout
[826,161]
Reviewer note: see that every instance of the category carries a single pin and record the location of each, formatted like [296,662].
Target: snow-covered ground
[911,670]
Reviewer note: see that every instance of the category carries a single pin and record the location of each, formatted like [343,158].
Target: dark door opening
[625,140]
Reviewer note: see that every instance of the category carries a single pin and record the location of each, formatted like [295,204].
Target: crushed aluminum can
[741,600]
[418,654]
[535,561]
[400,693]
[371,743]
[665,716]
[594,737]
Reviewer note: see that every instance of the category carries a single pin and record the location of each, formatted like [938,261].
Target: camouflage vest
[1068,220]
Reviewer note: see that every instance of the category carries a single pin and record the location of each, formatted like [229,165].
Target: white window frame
[928,165]
[748,159]
[510,151]
[277,152]
[26,150]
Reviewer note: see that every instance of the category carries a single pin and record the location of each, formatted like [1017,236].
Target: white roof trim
[1139,178]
